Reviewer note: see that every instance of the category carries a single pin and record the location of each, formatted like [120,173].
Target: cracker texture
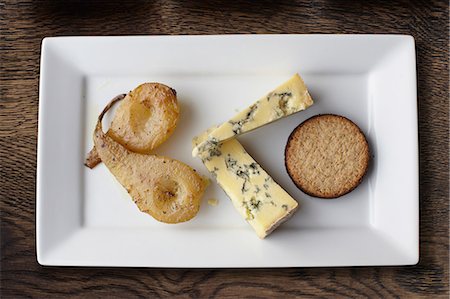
[327,156]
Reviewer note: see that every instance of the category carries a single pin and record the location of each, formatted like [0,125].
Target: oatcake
[327,156]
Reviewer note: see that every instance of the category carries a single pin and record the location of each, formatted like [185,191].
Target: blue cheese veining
[290,97]
[254,194]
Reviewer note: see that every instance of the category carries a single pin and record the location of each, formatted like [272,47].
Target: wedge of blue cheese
[254,194]
[288,98]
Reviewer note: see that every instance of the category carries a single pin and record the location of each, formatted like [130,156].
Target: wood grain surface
[25,23]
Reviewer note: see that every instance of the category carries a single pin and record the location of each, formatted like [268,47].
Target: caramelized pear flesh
[145,118]
[167,189]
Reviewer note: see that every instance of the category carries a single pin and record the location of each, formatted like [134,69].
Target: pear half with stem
[167,189]
[145,118]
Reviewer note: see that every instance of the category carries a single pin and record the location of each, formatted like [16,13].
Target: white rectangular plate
[85,218]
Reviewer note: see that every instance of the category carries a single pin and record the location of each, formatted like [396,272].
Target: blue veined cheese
[288,98]
[254,194]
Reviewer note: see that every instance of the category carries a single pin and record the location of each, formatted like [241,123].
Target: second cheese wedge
[256,196]
[288,98]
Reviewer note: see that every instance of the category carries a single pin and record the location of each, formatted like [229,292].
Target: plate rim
[42,115]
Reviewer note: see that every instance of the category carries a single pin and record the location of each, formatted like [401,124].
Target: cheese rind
[254,194]
[288,98]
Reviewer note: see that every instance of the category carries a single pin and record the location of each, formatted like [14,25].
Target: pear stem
[110,104]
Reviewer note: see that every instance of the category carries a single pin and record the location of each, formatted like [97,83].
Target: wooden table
[25,23]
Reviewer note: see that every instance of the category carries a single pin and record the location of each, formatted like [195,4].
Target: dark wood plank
[25,23]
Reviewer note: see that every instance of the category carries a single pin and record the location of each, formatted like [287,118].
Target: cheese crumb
[213,202]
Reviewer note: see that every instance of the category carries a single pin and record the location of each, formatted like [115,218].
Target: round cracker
[327,156]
